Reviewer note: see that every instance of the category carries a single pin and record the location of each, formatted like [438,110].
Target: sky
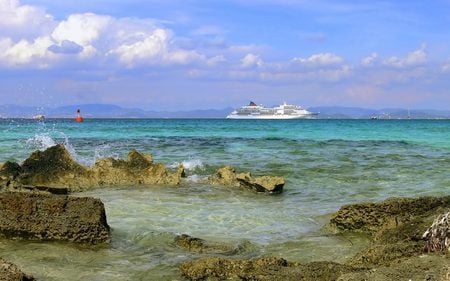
[186,54]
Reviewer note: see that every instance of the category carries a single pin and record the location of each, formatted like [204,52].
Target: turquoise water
[326,163]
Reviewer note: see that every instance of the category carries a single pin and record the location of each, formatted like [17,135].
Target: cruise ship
[283,111]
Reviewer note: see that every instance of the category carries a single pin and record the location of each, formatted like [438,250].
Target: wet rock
[427,267]
[268,268]
[40,216]
[375,217]
[10,272]
[55,168]
[198,245]
[8,172]
[227,176]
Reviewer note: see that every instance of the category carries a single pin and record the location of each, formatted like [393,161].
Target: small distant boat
[283,111]
[39,117]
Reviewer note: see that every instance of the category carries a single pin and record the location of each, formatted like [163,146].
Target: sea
[326,164]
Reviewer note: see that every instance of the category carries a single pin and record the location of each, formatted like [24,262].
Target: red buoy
[78,119]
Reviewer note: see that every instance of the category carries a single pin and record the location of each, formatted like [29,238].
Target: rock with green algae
[201,246]
[262,269]
[55,167]
[10,272]
[227,176]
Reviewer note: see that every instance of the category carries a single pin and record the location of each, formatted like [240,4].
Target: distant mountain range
[114,111]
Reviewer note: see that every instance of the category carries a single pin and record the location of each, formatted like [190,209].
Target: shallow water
[326,163]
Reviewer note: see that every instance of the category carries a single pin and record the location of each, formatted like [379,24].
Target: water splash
[190,165]
[40,141]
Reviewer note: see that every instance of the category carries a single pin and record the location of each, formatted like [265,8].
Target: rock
[198,245]
[426,267]
[56,168]
[8,172]
[53,167]
[270,184]
[227,176]
[395,225]
[372,218]
[40,216]
[10,272]
[267,268]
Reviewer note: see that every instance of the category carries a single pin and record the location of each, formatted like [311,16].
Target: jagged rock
[198,245]
[52,217]
[270,184]
[227,176]
[55,168]
[263,269]
[10,272]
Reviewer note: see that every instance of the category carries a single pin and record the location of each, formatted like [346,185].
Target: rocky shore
[409,237]
[400,230]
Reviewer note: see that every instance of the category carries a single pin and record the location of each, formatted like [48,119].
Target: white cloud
[23,20]
[414,58]
[155,49]
[26,52]
[82,29]
[251,60]
[369,60]
[322,59]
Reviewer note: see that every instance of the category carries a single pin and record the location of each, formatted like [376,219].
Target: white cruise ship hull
[270,117]
[282,112]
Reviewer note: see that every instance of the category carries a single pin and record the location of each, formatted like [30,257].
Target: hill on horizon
[115,111]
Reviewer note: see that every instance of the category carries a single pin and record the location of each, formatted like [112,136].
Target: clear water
[326,163]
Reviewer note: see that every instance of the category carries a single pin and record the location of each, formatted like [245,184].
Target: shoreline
[395,226]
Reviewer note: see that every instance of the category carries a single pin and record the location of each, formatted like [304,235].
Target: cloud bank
[96,52]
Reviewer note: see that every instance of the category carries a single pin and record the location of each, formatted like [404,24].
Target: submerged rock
[267,268]
[227,176]
[55,167]
[40,216]
[198,245]
[10,272]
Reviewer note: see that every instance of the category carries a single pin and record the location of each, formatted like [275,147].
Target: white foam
[41,141]
[191,164]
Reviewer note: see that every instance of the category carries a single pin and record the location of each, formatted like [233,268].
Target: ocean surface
[326,164]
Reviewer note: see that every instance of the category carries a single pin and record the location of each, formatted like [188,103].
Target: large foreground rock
[10,272]
[227,176]
[52,217]
[55,167]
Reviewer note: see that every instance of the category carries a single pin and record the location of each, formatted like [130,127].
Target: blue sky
[173,54]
